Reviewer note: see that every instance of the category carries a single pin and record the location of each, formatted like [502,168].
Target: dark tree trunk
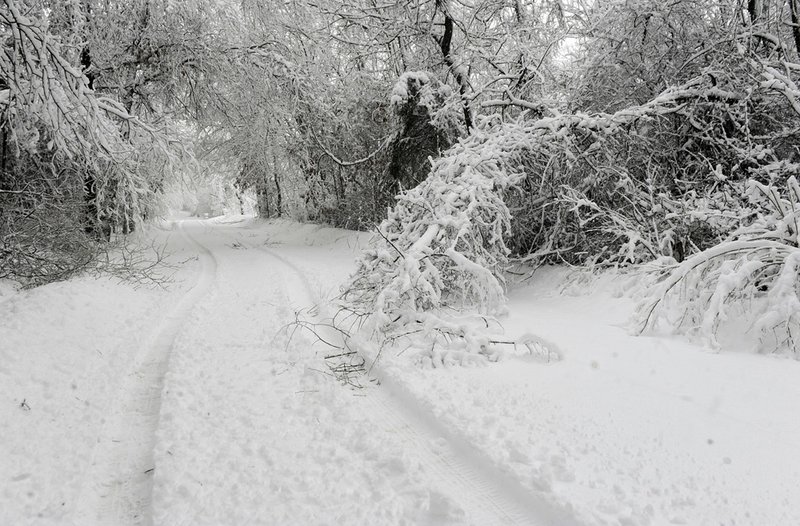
[458,72]
[93,225]
[793,8]
[263,199]
[754,10]
[3,152]
[418,140]
[338,185]
[278,195]
[240,198]
[519,11]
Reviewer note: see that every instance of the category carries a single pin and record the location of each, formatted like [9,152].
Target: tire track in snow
[119,483]
[488,495]
[297,274]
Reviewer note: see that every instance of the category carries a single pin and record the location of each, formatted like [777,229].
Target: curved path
[227,416]
[207,404]
[119,481]
[488,495]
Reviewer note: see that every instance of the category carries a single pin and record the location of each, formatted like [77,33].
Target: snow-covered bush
[660,178]
[752,279]
[441,250]
[584,187]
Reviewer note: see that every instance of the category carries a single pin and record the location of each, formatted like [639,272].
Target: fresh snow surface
[201,404]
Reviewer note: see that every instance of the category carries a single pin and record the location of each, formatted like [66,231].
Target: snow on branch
[440,251]
[45,89]
[593,187]
[50,107]
[751,279]
[385,142]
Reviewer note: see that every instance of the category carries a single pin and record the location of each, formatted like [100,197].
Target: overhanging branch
[340,162]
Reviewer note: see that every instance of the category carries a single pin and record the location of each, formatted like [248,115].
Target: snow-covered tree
[74,160]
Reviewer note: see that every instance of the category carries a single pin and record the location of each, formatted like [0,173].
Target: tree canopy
[619,132]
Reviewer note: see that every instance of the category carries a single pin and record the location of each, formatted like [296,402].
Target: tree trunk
[793,8]
[262,189]
[93,225]
[458,71]
[338,182]
[3,152]
[263,199]
[754,10]
[278,196]
[519,10]
[239,198]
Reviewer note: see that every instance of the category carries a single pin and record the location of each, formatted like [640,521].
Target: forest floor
[198,403]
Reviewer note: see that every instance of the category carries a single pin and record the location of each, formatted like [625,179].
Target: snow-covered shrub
[441,250]
[660,178]
[609,187]
[751,278]
[576,185]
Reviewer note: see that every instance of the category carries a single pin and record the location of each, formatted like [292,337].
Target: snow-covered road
[118,487]
[201,404]
[253,431]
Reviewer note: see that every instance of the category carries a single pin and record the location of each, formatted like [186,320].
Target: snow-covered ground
[201,404]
